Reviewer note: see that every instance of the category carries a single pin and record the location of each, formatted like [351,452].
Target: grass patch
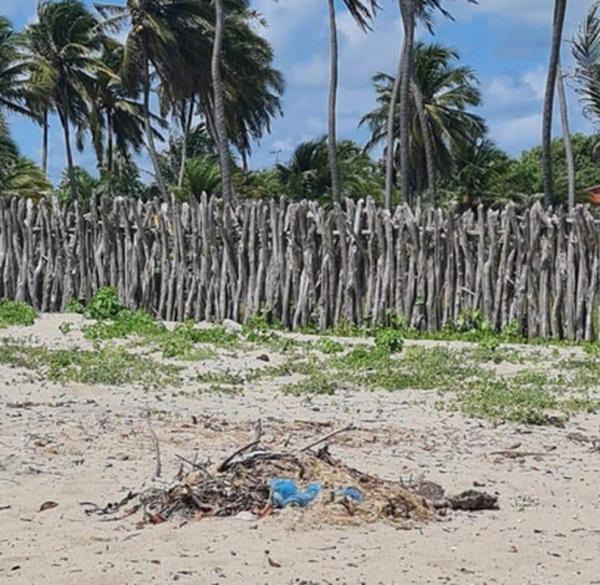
[529,397]
[226,389]
[227,378]
[316,383]
[107,366]
[15,313]
[116,322]
[416,368]
[327,345]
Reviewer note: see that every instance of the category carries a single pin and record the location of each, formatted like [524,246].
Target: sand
[74,443]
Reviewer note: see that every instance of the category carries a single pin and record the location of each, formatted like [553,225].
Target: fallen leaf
[48,506]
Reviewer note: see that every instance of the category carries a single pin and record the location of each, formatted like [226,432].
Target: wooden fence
[300,264]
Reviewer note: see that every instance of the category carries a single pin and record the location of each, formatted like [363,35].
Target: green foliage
[105,304]
[65,328]
[416,368]
[180,342]
[75,306]
[501,400]
[328,346]
[85,185]
[448,90]
[19,177]
[202,175]
[316,383]
[114,321]
[307,174]
[226,378]
[122,180]
[16,313]
[470,320]
[389,340]
[122,324]
[525,174]
[261,184]
[106,366]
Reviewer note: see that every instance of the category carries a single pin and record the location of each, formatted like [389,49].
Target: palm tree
[586,50]
[17,90]
[61,49]
[560,8]
[160,40]
[19,177]
[308,176]
[116,117]
[252,86]
[202,175]
[219,102]
[412,11]
[440,124]
[14,87]
[566,132]
[362,12]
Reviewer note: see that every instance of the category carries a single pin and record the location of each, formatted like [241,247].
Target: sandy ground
[73,443]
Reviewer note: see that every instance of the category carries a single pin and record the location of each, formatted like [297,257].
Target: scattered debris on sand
[243,485]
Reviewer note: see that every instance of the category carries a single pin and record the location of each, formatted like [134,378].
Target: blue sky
[506,41]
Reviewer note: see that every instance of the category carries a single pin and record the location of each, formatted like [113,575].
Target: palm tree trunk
[408,17]
[186,132]
[109,143]
[64,120]
[331,116]
[560,7]
[401,93]
[428,146]
[148,127]
[566,132]
[45,142]
[220,121]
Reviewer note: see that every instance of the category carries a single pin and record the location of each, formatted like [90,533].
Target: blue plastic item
[352,493]
[285,492]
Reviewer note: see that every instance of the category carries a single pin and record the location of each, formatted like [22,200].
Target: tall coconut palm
[560,9]
[61,51]
[362,12]
[14,87]
[566,132]
[159,40]
[220,120]
[17,90]
[412,12]
[440,124]
[116,117]
[252,86]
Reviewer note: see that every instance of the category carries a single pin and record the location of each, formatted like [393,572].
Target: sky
[505,41]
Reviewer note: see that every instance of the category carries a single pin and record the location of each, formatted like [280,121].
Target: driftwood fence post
[302,264]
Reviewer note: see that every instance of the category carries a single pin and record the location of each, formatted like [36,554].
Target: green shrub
[389,340]
[105,304]
[75,306]
[123,324]
[327,345]
[16,313]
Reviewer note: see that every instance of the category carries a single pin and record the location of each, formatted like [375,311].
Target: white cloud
[531,12]
[516,133]
[507,92]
